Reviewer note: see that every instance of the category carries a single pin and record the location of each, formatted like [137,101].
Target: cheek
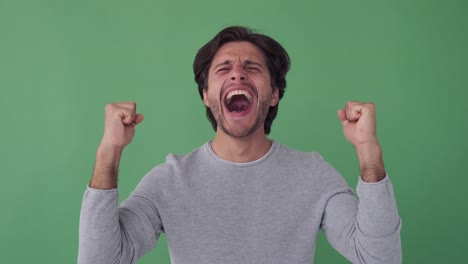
[210,98]
[261,80]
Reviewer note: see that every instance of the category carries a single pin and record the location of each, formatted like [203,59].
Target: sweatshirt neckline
[240,164]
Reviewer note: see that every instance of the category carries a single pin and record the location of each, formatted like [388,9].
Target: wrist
[108,154]
[369,153]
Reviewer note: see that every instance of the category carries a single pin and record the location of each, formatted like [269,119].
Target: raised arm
[109,234]
[368,230]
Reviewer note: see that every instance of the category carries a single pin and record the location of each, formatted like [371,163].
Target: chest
[243,203]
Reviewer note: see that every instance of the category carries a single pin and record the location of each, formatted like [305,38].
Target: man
[241,198]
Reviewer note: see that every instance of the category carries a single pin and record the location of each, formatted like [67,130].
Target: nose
[238,73]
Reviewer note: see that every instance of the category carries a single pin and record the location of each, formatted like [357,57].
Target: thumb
[138,118]
[342,117]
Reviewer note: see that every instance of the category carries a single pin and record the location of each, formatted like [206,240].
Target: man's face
[239,90]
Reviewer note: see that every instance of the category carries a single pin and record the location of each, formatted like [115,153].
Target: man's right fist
[119,126]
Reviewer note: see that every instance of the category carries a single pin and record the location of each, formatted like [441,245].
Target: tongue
[238,104]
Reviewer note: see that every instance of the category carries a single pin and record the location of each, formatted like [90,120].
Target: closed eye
[253,69]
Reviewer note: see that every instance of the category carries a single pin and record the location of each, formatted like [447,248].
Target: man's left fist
[359,123]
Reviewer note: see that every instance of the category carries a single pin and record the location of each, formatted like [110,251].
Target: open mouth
[238,101]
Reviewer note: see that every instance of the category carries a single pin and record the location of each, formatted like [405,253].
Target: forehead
[239,51]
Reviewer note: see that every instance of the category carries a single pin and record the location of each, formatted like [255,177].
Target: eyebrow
[246,62]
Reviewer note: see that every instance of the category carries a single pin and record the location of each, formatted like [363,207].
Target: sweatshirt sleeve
[112,234]
[365,230]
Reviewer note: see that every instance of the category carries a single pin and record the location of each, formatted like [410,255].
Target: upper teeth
[238,92]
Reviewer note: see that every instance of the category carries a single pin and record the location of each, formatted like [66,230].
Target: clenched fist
[359,122]
[120,122]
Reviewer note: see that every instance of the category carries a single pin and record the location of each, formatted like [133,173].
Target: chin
[240,132]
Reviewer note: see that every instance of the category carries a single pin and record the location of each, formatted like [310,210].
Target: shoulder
[176,162]
[307,159]
[180,161]
[164,175]
[312,165]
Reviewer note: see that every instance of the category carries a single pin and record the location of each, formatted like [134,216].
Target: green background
[62,61]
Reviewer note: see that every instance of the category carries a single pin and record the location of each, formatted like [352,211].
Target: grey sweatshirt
[266,211]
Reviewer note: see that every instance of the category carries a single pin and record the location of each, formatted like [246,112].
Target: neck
[241,150]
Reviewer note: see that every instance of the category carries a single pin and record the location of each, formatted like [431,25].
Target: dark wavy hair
[277,60]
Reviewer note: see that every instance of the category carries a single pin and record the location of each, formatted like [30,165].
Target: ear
[274,97]
[205,97]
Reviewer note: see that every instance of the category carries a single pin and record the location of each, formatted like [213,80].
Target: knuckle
[108,108]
